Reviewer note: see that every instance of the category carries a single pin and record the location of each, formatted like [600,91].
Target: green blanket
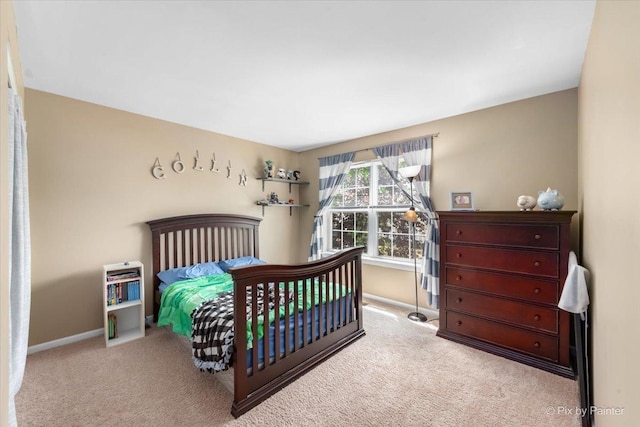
[182,297]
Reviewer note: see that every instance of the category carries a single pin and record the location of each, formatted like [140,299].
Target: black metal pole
[415,316]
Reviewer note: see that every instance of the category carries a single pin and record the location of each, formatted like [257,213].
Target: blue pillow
[239,262]
[190,272]
[203,269]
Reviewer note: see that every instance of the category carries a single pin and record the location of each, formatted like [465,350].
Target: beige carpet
[399,374]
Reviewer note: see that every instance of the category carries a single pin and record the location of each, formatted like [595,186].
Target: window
[367,210]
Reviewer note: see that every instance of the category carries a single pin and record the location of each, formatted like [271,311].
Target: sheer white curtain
[20,250]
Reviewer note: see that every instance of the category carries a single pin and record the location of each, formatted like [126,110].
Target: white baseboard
[74,338]
[64,341]
[432,314]
[149,319]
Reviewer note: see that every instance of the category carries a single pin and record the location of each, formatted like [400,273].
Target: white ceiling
[302,74]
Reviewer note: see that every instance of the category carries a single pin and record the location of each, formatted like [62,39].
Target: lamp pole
[416,315]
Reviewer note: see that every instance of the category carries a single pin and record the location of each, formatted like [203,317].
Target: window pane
[336,240]
[419,247]
[384,222]
[400,225]
[347,240]
[348,221]
[399,198]
[350,179]
[385,195]
[394,235]
[384,246]
[421,226]
[349,197]
[401,246]
[336,221]
[362,221]
[349,229]
[383,176]
[337,199]
[361,239]
[363,197]
[363,177]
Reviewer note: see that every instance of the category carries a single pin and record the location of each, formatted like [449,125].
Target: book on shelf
[112,324]
[122,292]
[122,275]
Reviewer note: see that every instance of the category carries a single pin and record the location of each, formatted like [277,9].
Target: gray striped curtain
[333,170]
[418,152]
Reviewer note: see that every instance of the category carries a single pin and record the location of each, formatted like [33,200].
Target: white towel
[575,297]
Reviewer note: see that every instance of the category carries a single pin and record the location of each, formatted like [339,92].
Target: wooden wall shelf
[286,181]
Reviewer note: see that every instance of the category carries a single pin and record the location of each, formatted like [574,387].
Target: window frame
[370,256]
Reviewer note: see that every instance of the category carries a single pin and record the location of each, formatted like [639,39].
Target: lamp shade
[410,171]
[410,215]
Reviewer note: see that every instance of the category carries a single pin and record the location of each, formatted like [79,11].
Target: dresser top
[507,216]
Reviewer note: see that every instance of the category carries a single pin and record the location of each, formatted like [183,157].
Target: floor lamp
[410,172]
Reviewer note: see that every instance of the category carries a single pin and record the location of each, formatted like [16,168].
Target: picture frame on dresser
[461,200]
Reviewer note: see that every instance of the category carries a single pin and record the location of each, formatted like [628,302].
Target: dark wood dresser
[501,276]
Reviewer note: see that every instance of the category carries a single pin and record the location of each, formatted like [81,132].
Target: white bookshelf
[123,300]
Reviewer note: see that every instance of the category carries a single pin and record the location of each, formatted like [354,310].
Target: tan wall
[8,41]
[498,153]
[609,146]
[92,191]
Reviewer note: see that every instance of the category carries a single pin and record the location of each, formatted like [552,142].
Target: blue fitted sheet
[320,312]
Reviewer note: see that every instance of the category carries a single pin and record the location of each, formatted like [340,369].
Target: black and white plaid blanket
[213,328]
[212,334]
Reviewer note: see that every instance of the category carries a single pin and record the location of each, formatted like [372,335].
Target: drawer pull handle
[459,322]
[459,232]
[459,255]
[537,263]
[458,278]
[536,344]
[536,317]
[537,237]
[459,300]
[536,291]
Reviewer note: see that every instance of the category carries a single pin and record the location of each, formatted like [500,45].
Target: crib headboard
[190,239]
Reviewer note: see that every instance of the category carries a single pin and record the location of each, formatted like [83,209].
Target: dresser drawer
[523,235]
[525,288]
[535,263]
[536,344]
[521,314]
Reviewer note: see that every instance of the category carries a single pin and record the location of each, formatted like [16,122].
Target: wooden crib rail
[318,331]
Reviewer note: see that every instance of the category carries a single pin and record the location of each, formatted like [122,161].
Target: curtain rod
[434,135]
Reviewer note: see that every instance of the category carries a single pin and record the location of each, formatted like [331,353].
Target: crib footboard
[290,318]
